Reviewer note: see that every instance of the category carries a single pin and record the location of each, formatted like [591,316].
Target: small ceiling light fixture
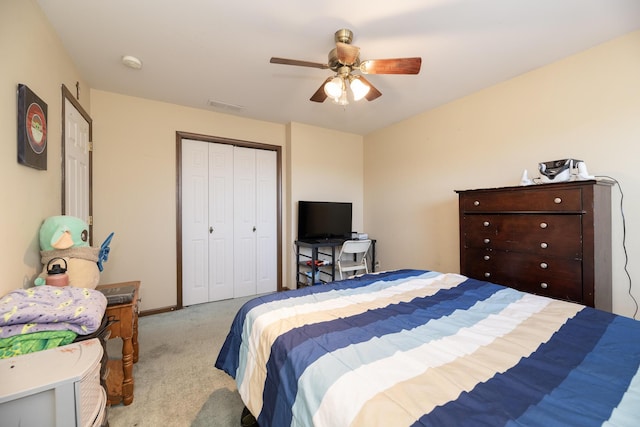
[333,88]
[132,62]
[338,87]
[359,89]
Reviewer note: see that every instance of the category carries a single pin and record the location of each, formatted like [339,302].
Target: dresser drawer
[529,199]
[550,234]
[556,278]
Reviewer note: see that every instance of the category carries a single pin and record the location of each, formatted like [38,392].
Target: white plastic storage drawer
[59,387]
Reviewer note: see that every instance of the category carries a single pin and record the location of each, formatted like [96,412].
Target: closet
[229,221]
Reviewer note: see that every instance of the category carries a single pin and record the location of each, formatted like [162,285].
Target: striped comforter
[412,348]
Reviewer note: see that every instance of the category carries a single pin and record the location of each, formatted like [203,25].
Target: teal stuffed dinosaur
[67,237]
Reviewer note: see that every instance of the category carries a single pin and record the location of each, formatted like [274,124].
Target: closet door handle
[210,229]
[254,228]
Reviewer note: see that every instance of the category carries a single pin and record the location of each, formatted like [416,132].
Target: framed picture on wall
[32,129]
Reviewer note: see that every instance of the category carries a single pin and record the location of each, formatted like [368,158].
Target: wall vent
[224,106]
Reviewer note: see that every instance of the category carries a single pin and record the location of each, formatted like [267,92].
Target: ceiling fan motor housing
[335,64]
[344,36]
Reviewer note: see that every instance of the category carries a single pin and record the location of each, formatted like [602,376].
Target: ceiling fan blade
[298,63]
[391,66]
[320,94]
[373,92]
[347,54]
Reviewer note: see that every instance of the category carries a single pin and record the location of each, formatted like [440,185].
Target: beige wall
[586,106]
[30,54]
[325,165]
[135,183]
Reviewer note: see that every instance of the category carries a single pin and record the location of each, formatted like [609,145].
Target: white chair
[353,256]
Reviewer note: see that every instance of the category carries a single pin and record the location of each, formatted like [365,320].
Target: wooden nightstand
[120,376]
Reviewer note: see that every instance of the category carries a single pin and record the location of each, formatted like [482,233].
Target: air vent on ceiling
[224,106]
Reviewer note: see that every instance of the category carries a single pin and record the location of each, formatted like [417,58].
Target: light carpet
[175,381]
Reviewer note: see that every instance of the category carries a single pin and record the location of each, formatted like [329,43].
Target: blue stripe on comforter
[578,376]
[592,402]
[231,347]
[334,291]
[301,347]
[510,395]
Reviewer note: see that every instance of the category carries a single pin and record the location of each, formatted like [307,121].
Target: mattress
[424,348]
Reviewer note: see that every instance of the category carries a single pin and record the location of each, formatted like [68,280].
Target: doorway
[77,161]
[193,260]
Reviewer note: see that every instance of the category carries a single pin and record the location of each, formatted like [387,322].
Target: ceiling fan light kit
[358,88]
[338,89]
[344,59]
[334,87]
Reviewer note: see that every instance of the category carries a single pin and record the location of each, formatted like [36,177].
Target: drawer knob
[557,200]
[543,225]
[487,240]
[487,257]
[487,274]
[544,265]
[486,223]
[544,285]
[544,245]
[476,203]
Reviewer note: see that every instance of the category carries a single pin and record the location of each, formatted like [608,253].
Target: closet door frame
[180,135]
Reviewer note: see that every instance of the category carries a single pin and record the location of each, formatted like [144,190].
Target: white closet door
[266,211]
[221,195]
[229,227]
[195,222]
[244,203]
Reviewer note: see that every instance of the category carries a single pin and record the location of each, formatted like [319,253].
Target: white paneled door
[244,216]
[220,227]
[266,221]
[76,159]
[195,222]
[228,221]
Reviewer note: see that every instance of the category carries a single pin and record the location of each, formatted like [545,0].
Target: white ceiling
[194,51]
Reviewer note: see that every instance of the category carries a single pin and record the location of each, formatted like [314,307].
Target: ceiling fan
[344,60]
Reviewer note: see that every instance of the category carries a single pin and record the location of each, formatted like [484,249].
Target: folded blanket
[51,308]
[30,343]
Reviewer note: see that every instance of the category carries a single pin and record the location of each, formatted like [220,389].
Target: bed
[423,348]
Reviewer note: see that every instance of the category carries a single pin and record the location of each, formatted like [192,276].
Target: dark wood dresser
[548,239]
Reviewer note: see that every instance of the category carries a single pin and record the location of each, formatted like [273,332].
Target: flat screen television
[324,220]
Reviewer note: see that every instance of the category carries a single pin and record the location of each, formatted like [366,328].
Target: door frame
[180,135]
[67,95]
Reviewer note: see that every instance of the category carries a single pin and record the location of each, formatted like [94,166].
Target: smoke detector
[132,62]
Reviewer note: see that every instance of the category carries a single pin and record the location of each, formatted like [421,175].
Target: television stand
[310,270]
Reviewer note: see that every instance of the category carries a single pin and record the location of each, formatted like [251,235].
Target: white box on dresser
[59,387]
